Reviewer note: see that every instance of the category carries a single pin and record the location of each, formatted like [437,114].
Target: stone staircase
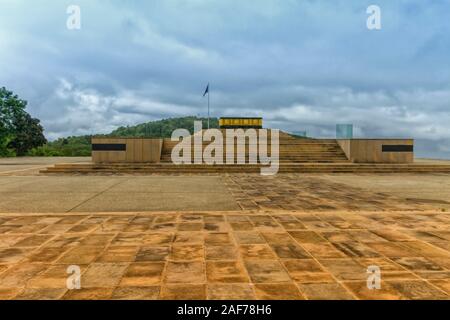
[291,150]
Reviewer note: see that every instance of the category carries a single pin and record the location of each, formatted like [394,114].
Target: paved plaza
[57,194]
[229,255]
[23,190]
[229,236]
[25,194]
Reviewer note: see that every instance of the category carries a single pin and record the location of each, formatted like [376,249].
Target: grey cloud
[299,64]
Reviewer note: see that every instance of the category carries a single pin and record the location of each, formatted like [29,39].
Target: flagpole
[208,104]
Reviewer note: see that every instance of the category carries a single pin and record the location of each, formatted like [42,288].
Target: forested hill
[81,145]
[163,128]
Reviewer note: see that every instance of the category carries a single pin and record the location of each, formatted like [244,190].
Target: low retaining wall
[378,150]
[105,150]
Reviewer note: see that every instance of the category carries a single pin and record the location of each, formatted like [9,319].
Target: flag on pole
[204,94]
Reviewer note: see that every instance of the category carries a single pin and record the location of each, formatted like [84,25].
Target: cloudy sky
[301,64]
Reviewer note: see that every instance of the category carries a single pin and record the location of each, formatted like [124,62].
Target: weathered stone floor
[315,193]
[226,255]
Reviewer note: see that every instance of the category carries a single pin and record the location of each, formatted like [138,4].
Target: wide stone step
[141,165]
[281,144]
[286,154]
[246,168]
[293,157]
[281,152]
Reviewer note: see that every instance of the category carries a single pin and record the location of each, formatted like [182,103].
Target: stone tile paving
[311,192]
[226,255]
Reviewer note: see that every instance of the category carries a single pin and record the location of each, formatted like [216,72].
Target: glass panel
[344,131]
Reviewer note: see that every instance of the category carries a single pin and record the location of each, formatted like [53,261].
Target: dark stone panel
[109,147]
[397,148]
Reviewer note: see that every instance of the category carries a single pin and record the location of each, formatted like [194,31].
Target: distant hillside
[163,128]
[81,145]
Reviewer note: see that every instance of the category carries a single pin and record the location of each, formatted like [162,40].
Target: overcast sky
[300,64]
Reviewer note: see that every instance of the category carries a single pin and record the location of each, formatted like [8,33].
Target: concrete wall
[371,150]
[134,150]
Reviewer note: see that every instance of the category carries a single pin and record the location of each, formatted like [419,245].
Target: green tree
[28,134]
[19,132]
[5,150]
